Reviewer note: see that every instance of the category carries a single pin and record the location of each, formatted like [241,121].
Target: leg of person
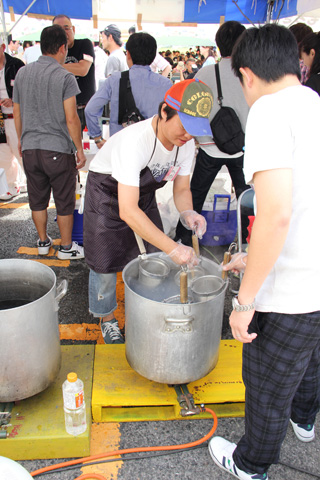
[44,242]
[102,304]
[65,224]
[306,402]
[274,365]
[11,168]
[205,171]
[82,118]
[39,196]
[235,168]
[61,169]
[12,140]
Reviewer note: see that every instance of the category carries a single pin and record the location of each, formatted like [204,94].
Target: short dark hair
[132,30]
[51,39]
[26,43]
[171,112]
[312,41]
[61,16]
[142,48]
[300,30]
[227,35]
[271,52]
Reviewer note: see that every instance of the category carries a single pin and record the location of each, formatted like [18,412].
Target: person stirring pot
[120,194]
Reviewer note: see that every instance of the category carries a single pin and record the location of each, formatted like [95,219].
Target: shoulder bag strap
[123,94]
[220,97]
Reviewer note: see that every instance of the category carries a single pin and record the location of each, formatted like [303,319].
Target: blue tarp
[72,8]
[210,11]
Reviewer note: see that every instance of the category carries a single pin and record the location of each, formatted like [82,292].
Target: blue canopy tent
[74,9]
[81,9]
[244,11]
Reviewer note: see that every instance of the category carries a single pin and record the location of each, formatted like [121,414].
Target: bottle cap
[72,377]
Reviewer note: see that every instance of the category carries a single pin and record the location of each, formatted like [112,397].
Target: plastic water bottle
[74,405]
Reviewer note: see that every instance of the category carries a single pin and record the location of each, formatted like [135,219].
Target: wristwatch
[242,308]
[98,140]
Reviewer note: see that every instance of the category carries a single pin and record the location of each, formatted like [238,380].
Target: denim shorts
[102,293]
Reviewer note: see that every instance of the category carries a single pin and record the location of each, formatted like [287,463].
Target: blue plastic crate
[221,224]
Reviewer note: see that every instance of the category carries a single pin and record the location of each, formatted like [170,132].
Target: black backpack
[225,125]
[128,111]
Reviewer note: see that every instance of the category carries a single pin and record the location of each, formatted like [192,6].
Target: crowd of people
[276,314]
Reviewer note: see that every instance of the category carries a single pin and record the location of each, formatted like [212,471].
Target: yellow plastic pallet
[38,430]
[119,394]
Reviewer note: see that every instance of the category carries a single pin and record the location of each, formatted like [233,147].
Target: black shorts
[46,170]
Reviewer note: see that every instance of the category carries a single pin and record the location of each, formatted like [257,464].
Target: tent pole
[269,11]
[3,21]
[22,15]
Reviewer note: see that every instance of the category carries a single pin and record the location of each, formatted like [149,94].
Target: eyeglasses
[67,28]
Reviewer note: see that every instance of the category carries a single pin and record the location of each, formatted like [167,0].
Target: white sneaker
[75,253]
[44,247]
[10,195]
[303,431]
[221,453]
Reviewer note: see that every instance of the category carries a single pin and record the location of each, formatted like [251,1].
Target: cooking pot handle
[61,291]
[183,325]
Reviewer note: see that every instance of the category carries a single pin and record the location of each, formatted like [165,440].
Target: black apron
[109,243]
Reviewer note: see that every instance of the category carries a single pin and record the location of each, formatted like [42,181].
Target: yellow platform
[119,394]
[38,430]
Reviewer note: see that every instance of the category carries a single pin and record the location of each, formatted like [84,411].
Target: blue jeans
[102,293]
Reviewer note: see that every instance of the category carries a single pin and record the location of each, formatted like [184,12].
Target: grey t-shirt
[40,89]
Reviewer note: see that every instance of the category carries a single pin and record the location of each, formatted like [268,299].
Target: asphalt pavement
[17,230]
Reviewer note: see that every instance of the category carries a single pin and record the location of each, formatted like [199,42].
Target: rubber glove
[194,221]
[237,263]
[183,255]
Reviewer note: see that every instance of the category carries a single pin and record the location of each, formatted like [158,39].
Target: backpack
[225,125]
[128,111]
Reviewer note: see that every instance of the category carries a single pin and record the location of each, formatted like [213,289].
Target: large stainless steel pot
[169,342]
[30,352]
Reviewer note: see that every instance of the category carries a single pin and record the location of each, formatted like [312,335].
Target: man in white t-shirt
[33,53]
[277,312]
[111,42]
[160,64]
[120,194]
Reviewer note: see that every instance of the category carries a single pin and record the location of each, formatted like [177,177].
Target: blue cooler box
[221,223]
[77,231]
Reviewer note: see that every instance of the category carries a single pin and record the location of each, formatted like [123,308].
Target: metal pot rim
[35,265]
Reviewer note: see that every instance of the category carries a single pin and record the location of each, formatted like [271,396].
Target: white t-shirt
[129,151]
[3,92]
[31,54]
[283,132]
[159,64]
[116,62]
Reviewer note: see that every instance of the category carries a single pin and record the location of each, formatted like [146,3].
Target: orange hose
[91,475]
[133,450]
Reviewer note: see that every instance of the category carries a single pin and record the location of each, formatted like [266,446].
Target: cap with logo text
[193,101]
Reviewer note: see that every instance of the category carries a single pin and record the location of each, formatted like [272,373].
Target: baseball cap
[113,30]
[193,101]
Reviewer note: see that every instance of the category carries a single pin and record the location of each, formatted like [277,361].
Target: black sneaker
[111,332]
[44,247]
[74,253]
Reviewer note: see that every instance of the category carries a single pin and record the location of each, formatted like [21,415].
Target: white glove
[237,263]
[194,221]
[183,255]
